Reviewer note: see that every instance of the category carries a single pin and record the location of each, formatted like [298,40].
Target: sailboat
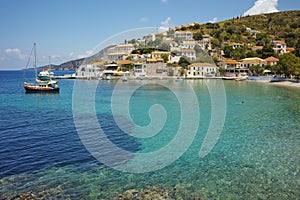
[43,82]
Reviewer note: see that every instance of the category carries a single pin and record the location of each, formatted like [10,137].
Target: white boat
[241,78]
[179,79]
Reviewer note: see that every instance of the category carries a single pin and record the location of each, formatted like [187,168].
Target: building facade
[201,70]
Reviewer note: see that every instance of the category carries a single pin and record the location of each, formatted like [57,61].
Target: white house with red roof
[271,61]
[279,46]
[201,70]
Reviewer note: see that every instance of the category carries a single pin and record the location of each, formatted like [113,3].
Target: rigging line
[28,62]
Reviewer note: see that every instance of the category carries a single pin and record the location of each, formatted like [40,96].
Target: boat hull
[37,89]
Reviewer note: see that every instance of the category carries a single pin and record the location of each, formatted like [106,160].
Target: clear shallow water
[257,155]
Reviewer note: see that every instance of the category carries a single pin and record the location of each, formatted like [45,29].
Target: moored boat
[45,86]
[277,79]
[43,81]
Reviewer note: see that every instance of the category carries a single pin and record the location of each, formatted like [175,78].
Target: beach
[286,84]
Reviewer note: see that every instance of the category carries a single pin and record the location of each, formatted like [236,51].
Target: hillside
[279,25]
[255,30]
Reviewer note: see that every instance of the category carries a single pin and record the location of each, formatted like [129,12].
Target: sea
[96,139]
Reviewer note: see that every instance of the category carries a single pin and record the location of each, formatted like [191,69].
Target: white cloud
[15,51]
[144,19]
[164,1]
[214,20]
[165,25]
[85,54]
[263,6]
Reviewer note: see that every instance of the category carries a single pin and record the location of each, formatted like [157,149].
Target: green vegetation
[257,30]
[289,65]
[184,62]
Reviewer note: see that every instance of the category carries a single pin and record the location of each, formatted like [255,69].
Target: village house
[188,44]
[88,71]
[158,55]
[236,72]
[205,42]
[201,70]
[248,62]
[125,48]
[190,53]
[125,65]
[185,35]
[156,67]
[271,61]
[140,69]
[279,46]
[229,64]
[235,45]
[116,56]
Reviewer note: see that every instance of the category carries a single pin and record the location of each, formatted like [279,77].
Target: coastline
[285,84]
[279,84]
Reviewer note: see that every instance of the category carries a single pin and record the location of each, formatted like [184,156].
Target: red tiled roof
[290,49]
[202,64]
[272,59]
[279,41]
[125,62]
[231,62]
[188,50]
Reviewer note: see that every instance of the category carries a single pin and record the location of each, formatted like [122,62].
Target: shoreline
[286,84]
[280,84]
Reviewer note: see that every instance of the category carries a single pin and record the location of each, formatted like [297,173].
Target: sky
[71,29]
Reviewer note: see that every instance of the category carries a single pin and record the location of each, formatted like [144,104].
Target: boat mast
[35,59]
[49,63]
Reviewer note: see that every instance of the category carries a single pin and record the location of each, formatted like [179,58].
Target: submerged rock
[150,193]
[154,192]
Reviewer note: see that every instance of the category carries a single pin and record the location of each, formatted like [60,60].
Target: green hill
[279,25]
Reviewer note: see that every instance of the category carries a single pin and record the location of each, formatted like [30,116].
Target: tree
[197,36]
[289,64]
[129,58]
[165,56]
[228,51]
[256,69]
[268,51]
[197,26]
[297,50]
[262,39]
[252,54]
[222,71]
[184,61]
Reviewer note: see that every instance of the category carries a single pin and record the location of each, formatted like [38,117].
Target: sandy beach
[285,84]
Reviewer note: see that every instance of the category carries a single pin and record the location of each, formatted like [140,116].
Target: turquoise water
[256,156]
